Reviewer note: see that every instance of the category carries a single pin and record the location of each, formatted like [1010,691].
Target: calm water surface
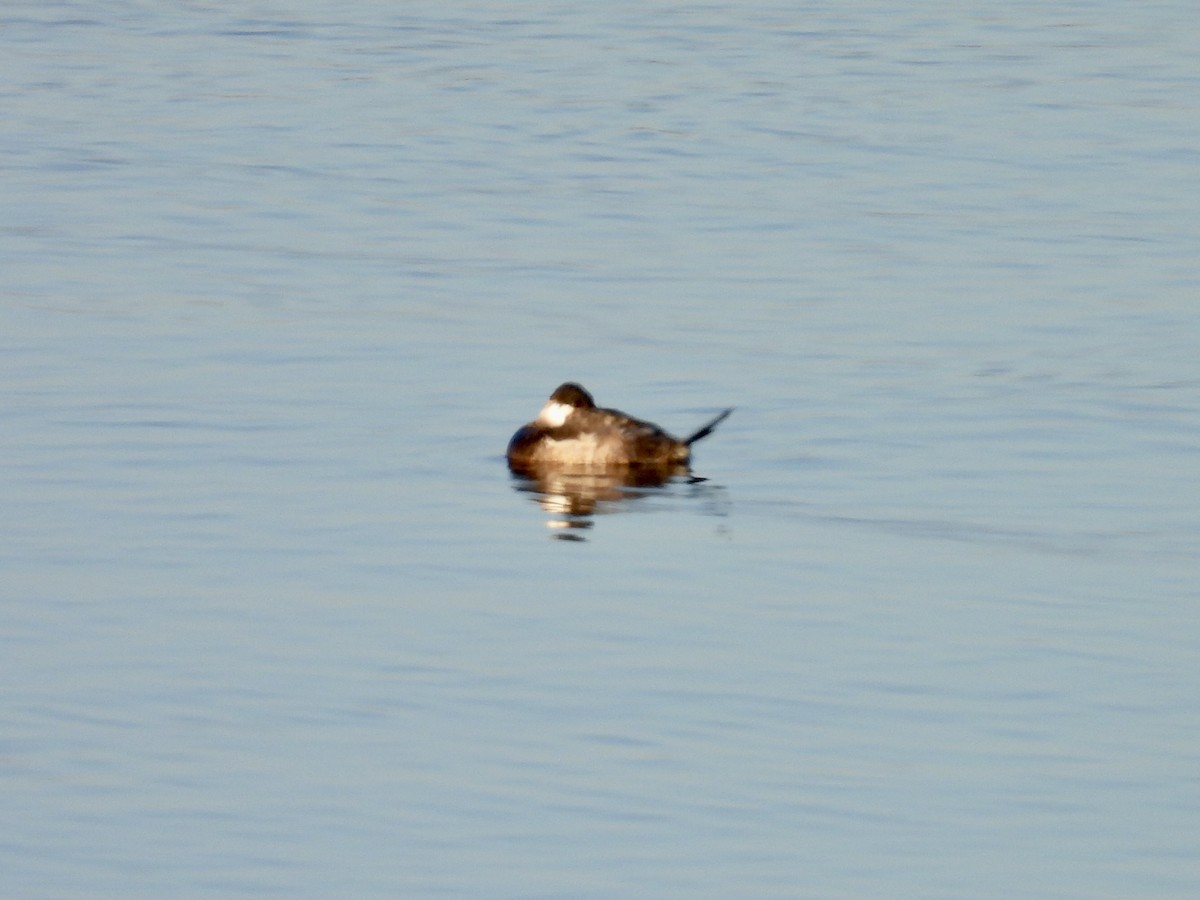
[278,282]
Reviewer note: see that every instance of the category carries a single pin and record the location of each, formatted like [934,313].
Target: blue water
[278,282]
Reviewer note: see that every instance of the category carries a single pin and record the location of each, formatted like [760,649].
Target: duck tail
[708,429]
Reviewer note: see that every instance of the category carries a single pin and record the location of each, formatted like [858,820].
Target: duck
[573,434]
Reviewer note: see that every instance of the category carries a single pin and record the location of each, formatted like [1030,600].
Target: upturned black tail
[708,429]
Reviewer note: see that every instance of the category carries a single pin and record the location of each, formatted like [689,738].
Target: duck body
[571,433]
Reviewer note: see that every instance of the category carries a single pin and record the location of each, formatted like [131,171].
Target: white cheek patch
[553,414]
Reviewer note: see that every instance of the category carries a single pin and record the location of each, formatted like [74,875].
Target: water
[278,282]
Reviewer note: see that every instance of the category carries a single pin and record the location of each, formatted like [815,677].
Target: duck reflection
[573,499]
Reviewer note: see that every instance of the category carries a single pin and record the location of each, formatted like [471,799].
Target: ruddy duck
[571,433]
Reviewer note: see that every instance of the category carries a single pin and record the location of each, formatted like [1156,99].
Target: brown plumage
[573,434]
